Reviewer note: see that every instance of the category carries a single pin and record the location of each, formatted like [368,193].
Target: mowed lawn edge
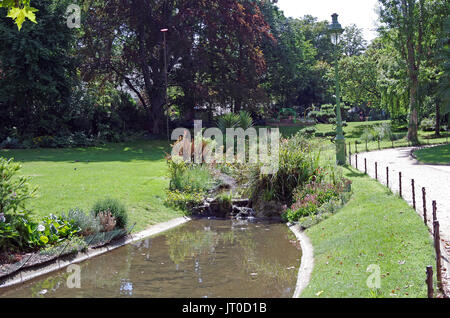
[134,173]
[374,228]
[434,155]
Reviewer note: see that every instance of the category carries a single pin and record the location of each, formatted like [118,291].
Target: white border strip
[307,262]
[29,274]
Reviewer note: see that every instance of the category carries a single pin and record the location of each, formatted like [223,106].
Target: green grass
[135,173]
[434,155]
[375,227]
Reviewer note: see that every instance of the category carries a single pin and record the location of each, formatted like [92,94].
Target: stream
[200,259]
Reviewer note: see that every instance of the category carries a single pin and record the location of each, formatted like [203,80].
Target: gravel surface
[434,178]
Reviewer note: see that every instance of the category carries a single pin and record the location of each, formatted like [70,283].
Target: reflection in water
[203,258]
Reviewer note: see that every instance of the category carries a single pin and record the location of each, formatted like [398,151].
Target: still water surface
[203,258]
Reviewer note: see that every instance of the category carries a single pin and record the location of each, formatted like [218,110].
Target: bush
[330,134]
[55,229]
[297,166]
[88,223]
[319,134]
[428,124]
[11,143]
[310,198]
[117,209]
[326,114]
[243,120]
[183,200]
[309,131]
[190,178]
[14,190]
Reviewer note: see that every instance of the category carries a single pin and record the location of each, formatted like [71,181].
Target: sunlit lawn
[434,155]
[134,173]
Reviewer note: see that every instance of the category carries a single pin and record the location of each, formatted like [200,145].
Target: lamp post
[164,31]
[336,31]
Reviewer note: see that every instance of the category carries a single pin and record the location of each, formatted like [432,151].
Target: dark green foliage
[117,209]
[37,71]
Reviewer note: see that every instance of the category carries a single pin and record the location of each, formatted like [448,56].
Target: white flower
[41,228]
[2,218]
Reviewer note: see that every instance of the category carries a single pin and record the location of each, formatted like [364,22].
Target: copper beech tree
[213,50]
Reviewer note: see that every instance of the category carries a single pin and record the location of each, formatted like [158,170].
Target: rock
[270,209]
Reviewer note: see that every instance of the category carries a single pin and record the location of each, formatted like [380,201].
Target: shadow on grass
[148,150]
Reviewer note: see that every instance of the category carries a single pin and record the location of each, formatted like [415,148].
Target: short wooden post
[376,171]
[437,246]
[387,177]
[413,189]
[365,165]
[400,184]
[429,281]
[424,201]
[350,153]
[434,211]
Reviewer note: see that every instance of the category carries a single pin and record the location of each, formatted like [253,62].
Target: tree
[213,44]
[19,10]
[407,18]
[37,71]
[353,42]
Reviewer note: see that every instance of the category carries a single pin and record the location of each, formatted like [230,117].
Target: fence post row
[434,211]
[437,246]
[365,165]
[400,184]
[387,177]
[429,281]
[424,199]
[376,171]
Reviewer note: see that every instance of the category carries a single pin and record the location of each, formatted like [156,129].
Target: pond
[202,258]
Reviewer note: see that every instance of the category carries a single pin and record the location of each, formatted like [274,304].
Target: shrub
[428,124]
[309,131]
[14,190]
[297,166]
[319,134]
[330,134]
[310,198]
[88,223]
[116,208]
[55,229]
[326,114]
[107,221]
[183,200]
[243,120]
[190,178]
[11,143]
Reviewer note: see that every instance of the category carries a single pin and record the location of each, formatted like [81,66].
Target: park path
[434,178]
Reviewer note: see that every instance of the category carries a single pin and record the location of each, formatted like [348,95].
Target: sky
[359,12]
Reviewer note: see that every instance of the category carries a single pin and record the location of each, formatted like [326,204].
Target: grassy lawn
[134,173]
[375,227]
[434,155]
[355,130]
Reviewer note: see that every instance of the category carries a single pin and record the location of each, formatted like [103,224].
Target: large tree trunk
[413,116]
[438,120]
[156,111]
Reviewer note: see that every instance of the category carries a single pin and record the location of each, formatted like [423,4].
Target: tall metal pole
[340,140]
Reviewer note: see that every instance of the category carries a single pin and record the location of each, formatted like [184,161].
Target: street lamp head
[335,30]
[164,30]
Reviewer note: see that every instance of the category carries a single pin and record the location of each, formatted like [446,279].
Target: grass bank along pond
[203,258]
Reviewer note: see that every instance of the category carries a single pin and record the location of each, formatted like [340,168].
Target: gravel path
[434,178]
